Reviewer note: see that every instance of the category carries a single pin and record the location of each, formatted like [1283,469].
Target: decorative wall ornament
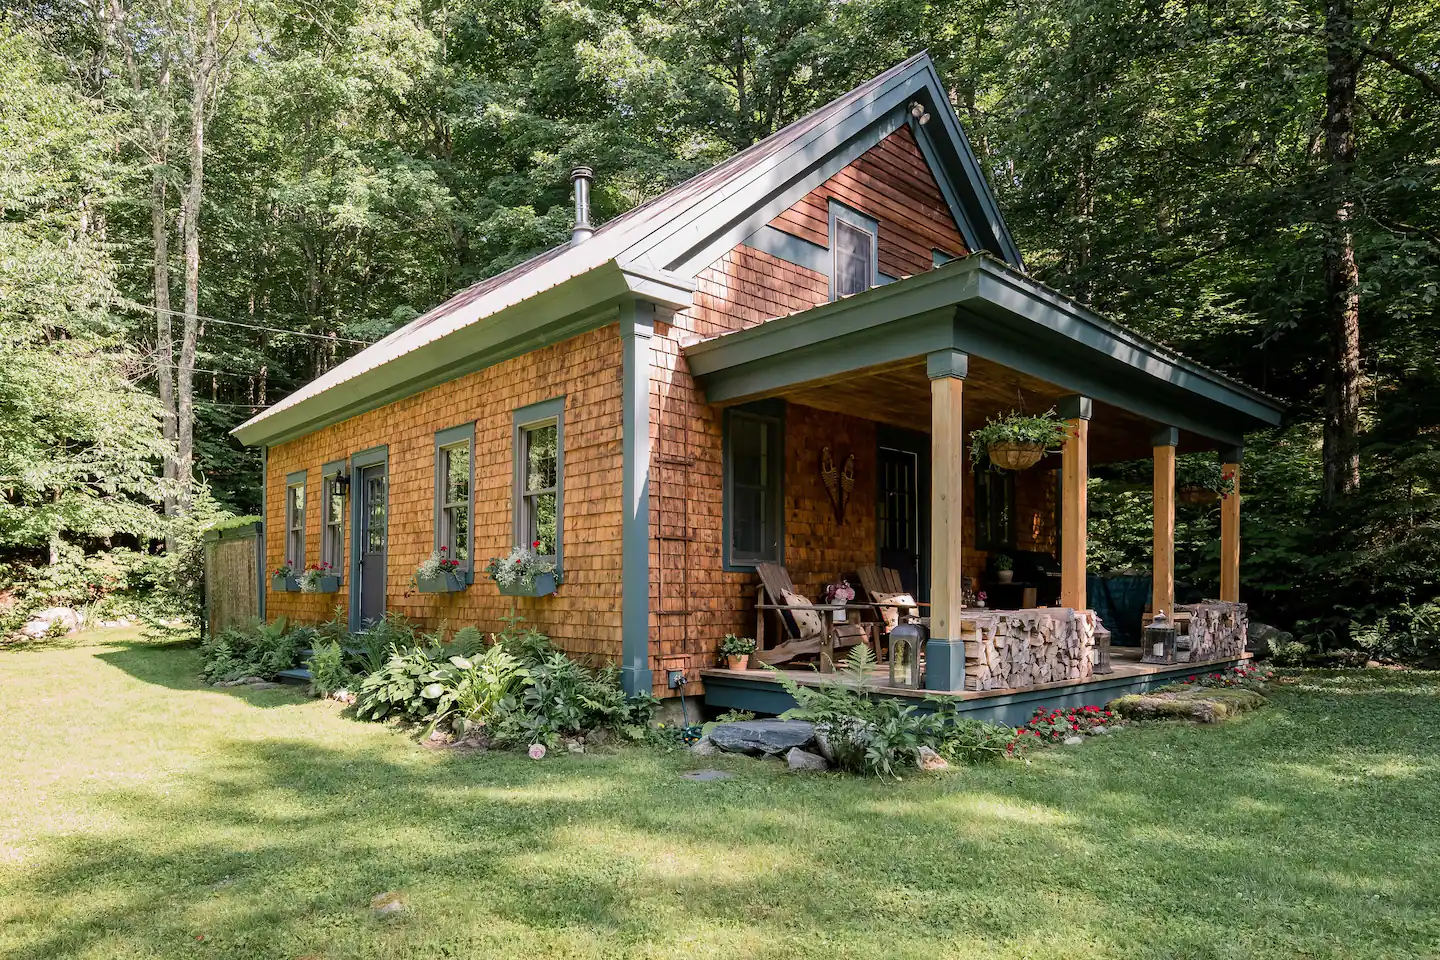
[839,484]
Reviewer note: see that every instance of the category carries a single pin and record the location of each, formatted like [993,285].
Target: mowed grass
[142,815]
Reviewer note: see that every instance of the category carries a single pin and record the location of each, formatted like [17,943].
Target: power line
[249,326]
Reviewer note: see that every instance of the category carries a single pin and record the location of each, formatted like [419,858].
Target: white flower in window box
[523,573]
[439,573]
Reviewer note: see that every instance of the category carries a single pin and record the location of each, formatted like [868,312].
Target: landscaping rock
[930,761]
[704,747]
[1265,639]
[386,905]
[597,737]
[1073,741]
[802,760]
[1099,731]
[704,775]
[574,746]
[1201,704]
[40,624]
[762,737]
[822,744]
[265,685]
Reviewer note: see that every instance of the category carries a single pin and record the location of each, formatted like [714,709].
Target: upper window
[994,510]
[754,487]
[454,482]
[853,242]
[332,505]
[295,520]
[539,477]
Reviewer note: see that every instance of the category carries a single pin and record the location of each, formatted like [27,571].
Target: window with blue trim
[454,483]
[854,242]
[754,484]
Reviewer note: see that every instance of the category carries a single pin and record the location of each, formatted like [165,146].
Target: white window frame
[853,219]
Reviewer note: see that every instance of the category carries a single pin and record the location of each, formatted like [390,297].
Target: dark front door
[898,515]
[372,543]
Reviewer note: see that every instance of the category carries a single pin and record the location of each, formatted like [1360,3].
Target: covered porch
[929,358]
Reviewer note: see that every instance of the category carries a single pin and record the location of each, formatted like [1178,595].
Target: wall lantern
[341,479]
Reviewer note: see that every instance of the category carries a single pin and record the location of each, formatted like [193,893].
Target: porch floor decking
[759,691]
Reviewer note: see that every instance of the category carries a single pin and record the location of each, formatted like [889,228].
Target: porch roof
[985,308]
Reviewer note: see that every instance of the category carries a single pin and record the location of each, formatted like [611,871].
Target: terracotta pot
[1016,456]
[737,661]
[1005,576]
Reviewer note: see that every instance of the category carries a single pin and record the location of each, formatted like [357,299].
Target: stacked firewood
[1218,630]
[1007,650]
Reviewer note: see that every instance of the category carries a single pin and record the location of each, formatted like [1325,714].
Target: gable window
[295,520]
[540,478]
[754,466]
[454,483]
[854,267]
[994,510]
[332,521]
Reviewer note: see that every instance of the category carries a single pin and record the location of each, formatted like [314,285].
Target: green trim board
[464,433]
[724,690]
[263,581]
[981,306]
[637,327]
[528,417]
[792,249]
[772,413]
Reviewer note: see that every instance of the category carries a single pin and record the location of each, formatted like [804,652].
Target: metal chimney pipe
[582,230]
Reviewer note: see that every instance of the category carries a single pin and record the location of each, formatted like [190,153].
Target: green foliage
[397,689]
[1047,430]
[475,687]
[258,649]
[564,697]
[1410,633]
[328,672]
[733,646]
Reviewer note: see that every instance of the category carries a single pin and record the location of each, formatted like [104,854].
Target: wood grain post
[1162,590]
[1230,528]
[945,650]
[1075,518]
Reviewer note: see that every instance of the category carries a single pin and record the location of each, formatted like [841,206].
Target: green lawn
[144,816]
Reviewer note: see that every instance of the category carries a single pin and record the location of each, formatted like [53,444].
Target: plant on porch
[736,651]
[1017,441]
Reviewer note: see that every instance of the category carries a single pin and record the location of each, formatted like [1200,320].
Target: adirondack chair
[805,627]
[881,585]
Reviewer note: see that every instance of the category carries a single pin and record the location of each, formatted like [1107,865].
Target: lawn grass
[140,813]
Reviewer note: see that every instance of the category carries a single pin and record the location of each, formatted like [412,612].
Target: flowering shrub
[520,567]
[1054,726]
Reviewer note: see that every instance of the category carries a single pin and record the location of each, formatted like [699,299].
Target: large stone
[762,737]
[1265,639]
[704,747]
[386,905]
[931,761]
[805,761]
[40,624]
[1201,704]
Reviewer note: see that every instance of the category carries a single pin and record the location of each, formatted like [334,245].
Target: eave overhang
[983,307]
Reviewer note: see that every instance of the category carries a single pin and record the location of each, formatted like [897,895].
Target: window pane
[852,259]
[749,443]
[455,531]
[540,458]
[335,505]
[748,536]
[457,473]
[375,515]
[540,511]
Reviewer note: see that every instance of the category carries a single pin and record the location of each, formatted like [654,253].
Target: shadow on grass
[1266,837]
[177,667]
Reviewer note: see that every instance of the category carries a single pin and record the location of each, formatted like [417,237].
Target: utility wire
[251,326]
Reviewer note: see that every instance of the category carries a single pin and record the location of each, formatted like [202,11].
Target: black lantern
[1159,642]
[341,481]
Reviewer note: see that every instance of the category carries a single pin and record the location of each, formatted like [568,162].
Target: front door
[372,544]
[898,515]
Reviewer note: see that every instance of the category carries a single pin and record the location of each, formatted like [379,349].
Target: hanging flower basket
[1016,441]
[1015,456]
[1197,495]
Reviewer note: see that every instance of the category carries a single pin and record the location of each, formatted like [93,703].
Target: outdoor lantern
[341,479]
[1102,652]
[905,642]
[1159,642]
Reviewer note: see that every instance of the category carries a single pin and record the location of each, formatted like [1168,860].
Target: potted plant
[736,651]
[840,592]
[1017,441]
[282,579]
[1202,481]
[439,573]
[317,578]
[523,573]
[1004,569]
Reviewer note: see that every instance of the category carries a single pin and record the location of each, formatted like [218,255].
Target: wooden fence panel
[232,577]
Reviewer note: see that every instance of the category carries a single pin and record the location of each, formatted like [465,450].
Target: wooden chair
[880,586]
[807,626]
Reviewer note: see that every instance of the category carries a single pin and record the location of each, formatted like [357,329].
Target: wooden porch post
[945,650]
[1075,476]
[1162,591]
[1230,528]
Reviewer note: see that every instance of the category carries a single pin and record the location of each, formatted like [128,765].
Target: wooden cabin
[663,404]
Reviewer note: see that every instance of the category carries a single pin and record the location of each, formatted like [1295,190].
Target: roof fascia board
[958,144]
[660,287]
[582,303]
[947,185]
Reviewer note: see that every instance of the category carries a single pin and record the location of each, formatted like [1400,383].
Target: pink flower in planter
[537,751]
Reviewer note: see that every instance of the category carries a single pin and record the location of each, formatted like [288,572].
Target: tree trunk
[1343,380]
[202,66]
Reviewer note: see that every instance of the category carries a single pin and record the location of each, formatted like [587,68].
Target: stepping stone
[762,736]
[704,775]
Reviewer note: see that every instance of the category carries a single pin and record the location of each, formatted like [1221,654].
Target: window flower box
[443,581]
[542,585]
[284,584]
[321,584]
